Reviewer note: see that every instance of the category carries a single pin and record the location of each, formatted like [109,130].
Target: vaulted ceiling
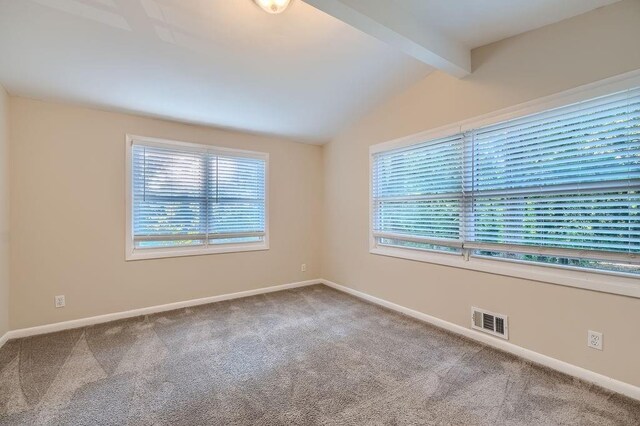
[304,74]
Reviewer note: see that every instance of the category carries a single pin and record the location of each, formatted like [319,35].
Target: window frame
[133,253]
[619,283]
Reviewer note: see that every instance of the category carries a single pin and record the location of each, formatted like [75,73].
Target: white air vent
[489,322]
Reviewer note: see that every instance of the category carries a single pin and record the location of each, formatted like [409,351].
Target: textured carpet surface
[304,356]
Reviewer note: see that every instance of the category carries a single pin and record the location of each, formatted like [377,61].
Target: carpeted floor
[305,356]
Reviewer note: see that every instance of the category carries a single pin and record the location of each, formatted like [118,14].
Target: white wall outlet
[594,340]
[59,301]
[303,267]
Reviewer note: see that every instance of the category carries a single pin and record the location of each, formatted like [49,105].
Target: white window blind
[195,196]
[418,194]
[559,187]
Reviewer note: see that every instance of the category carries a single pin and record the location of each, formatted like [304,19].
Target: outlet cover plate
[594,340]
[60,302]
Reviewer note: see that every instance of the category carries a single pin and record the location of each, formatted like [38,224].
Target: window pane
[184,198]
[237,195]
[169,197]
[418,246]
[221,241]
[577,220]
[567,178]
[170,243]
[610,266]
[417,191]
[422,218]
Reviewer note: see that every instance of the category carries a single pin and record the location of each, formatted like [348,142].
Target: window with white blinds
[192,199]
[418,195]
[561,187]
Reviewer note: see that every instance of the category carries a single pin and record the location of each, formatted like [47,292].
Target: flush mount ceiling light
[273,6]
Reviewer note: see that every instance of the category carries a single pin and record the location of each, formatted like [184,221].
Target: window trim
[619,283]
[131,253]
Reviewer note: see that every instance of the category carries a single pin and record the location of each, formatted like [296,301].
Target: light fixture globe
[273,6]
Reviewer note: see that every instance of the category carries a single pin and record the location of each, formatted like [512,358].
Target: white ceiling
[475,23]
[302,74]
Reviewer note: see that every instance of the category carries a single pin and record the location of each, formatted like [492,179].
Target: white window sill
[159,253]
[598,281]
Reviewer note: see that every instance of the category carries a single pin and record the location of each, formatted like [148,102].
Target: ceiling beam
[399,28]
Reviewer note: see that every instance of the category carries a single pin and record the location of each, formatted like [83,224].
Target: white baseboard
[4,338]
[535,357]
[83,322]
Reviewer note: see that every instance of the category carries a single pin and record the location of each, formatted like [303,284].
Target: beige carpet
[305,356]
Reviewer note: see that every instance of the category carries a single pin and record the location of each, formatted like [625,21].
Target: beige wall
[549,319]
[68,217]
[4,212]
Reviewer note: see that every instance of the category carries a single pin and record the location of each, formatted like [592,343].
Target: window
[418,195]
[187,199]
[559,188]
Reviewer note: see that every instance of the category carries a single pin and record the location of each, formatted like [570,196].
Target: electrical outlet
[594,340]
[303,267]
[59,300]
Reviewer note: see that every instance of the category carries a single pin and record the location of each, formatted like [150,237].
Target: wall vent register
[489,322]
